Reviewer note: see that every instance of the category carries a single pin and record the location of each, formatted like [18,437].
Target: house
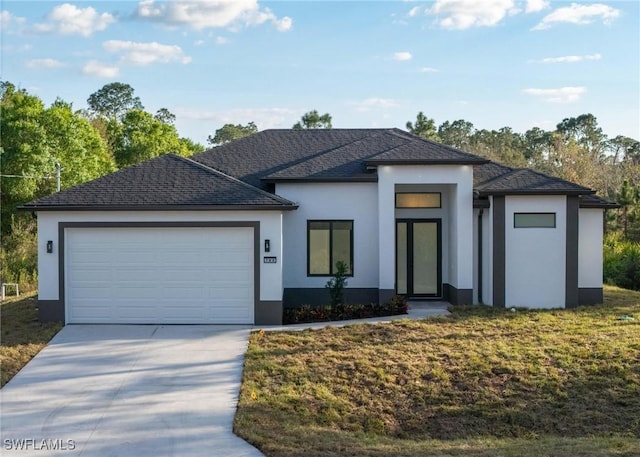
[236,233]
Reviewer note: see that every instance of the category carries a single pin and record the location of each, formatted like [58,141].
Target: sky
[495,63]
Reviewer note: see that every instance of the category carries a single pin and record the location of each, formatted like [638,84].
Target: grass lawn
[483,382]
[21,335]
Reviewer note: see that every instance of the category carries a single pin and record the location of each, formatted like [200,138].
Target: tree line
[116,131]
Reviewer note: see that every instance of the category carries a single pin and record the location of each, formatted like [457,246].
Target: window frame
[538,213]
[331,266]
[439,194]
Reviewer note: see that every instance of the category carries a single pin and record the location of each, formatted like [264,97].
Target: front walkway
[417,310]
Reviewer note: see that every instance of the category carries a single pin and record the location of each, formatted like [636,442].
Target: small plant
[337,284]
[398,303]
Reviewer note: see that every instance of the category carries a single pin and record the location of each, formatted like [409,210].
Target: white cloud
[198,42]
[68,19]
[429,70]
[210,14]
[264,118]
[414,11]
[562,95]
[221,40]
[463,14]
[375,102]
[146,53]
[283,24]
[533,6]
[570,59]
[95,68]
[44,63]
[7,19]
[579,14]
[402,56]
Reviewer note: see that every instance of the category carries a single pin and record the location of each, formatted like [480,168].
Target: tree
[313,120]
[626,148]
[114,100]
[457,133]
[76,145]
[27,163]
[166,116]
[584,130]
[423,127]
[140,136]
[230,132]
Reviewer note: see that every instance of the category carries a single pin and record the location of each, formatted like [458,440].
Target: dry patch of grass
[21,335]
[483,382]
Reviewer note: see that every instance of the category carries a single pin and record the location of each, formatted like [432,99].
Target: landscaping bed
[306,313]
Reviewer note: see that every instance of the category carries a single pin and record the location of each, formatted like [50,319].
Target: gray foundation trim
[384,295]
[296,297]
[590,296]
[457,296]
[268,312]
[499,270]
[50,310]
[253,224]
[571,272]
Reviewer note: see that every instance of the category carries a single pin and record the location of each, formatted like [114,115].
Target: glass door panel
[418,258]
[401,257]
[425,258]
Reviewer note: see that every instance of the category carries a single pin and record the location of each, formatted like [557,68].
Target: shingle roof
[495,179]
[237,174]
[416,150]
[325,154]
[166,182]
[593,201]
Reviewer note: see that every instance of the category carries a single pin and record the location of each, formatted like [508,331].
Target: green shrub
[337,284]
[621,262]
[19,253]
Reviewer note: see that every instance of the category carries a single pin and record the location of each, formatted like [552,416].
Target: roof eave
[608,205]
[373,178]
[426,162]
[158,207]
[486,193]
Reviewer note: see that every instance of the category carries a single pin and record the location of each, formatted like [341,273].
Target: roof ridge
[231,178]
[556,178]
[377,132]
[501,176]
[396,131]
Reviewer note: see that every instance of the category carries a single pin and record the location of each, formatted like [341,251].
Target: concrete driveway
[129,390]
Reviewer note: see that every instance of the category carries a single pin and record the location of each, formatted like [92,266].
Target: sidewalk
[417,310]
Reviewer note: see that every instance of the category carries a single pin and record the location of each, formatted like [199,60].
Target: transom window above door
[418,200]
[329,242]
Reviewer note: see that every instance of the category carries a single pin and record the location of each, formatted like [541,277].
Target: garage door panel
[159,275]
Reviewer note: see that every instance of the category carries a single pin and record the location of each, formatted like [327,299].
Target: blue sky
[495,63]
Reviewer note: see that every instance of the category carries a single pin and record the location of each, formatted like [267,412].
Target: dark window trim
[535,226]
[419,207]
[331,222]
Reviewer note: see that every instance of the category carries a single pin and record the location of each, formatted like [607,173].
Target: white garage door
[159,275]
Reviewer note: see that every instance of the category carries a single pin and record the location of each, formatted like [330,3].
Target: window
[329,242]
[534,220]
[418,200]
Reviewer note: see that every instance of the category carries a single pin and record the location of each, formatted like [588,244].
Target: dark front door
[418,258]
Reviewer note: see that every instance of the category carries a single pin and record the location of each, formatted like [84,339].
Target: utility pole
[58,170]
